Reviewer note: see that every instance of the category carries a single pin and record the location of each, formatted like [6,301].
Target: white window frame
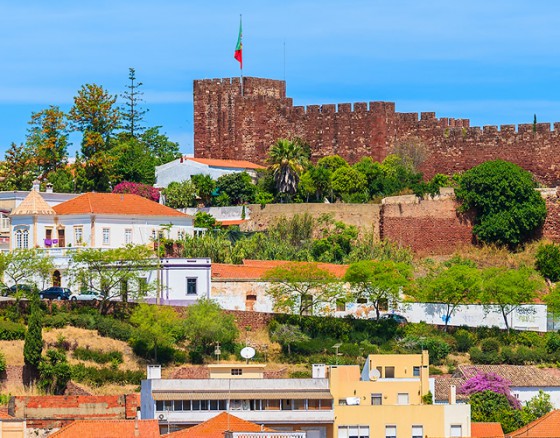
[357,431]
[78,235]
[391,431]
[376,396]
[417,431]
[127,235]
[454,429]
[195,286]
[106,233]
[22,238]
[403,399]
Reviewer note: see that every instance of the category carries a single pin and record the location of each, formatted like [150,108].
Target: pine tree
[33,345]
[19,168]
[132,115]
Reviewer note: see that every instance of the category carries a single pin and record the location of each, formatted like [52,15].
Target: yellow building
[385,401]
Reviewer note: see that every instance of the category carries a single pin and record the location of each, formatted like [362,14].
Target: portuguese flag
[239,47]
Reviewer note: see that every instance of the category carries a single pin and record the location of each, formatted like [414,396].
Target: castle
[229,124]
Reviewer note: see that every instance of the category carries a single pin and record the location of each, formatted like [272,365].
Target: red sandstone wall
[229,125]
[551,227]
[430,226]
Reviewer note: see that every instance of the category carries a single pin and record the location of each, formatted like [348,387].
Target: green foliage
[2,363]
[97,377]
[428,398]
[368,247]
[132,114]
[538,406]
[115,329]
[464,340]
[378,281]
[205,187]
[490,345]
[508,209]
[288,160]
[547,261]
[33,345]
[54,372]
[19,168]
[98,356]
[180,194]
[238,187]
[347,180]
[162,149]
[133,161]
[11,331]
[206,324]
[205,220]
[286,335]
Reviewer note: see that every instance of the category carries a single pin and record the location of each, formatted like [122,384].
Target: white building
[94,220]
[183,168]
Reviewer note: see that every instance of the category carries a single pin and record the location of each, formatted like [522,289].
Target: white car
[87,295]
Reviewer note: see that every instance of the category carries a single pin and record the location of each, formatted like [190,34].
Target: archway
[56,278]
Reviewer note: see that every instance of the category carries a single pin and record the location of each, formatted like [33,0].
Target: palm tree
[288,161]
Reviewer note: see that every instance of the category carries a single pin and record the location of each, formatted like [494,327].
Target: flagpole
[241,63]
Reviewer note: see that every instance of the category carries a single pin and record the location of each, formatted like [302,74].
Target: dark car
[25,288]
[399,319]
[56,293]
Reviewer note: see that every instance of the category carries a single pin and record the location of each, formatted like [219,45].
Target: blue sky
[494,62]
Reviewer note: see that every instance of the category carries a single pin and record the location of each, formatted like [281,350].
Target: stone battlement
[233,126]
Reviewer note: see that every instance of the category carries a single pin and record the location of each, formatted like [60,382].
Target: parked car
[395,317]
[56,293]
[25,288]
[86,295]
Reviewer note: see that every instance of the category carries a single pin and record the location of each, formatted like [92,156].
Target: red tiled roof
[486,430]
[256,269]
[237,164]
[228,223]
[517,375]
[4,414]
[109,429]
[548,426]
[115,203]
[443,384]
[216,426]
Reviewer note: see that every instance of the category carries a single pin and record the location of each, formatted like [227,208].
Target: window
[353,431]
[390,431]
[361,300]
[164,405]
[78,235]
[417,431]
[106,236]
[178,405]
[22,239]
[236,371]
[402,398]
[376,399]
[389,372]
[191,286]
[128,235]
[416,371]
[456,430]
[340,305]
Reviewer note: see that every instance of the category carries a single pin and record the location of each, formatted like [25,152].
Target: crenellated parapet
[233,123]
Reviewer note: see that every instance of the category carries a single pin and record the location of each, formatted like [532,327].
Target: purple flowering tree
[490,382]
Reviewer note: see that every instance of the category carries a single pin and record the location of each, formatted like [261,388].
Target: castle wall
[234,126]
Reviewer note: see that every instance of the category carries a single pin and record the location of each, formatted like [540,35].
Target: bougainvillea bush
[144,190]
[490,382]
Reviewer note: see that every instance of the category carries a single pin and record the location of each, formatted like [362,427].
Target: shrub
[115,329]
[479,357]
[547,261]
[98,356]
[552,342]
[56,320]
[83,320]
[2,362]
[101,376]
[11,331]
[438,349]
[490,345]
[300,374]
[530,339]
[464,339]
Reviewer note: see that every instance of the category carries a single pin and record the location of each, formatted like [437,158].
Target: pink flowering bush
[144,190]
[490,382]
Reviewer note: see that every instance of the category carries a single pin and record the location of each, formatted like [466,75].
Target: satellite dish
[374,374]
[248,353]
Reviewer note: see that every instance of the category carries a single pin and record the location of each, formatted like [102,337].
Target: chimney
[452,395]
[49,188]
[36,186]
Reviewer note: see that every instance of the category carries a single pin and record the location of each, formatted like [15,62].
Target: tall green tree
[508,208]
[95,115]
[547,261]
[237,187]
[303,288]
[378,281]
[33,345]
[133,114]
[205,187]
[508,289]
[288,161]
[133,162]
[48,138]
[19,168]
[451,286]
[180,194]
[163,149]
[54,372]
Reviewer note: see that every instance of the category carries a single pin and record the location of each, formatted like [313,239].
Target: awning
[237,395]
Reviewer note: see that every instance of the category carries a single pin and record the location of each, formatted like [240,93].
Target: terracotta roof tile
[115,203]
[547,426]
[443,384]
[33,204]
[109,429]
[236,164]
[256,269]
[486,430]
[517,375]
[229,222]
[4,414]
[216,426]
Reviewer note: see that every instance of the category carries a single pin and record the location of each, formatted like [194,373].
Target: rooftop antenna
[217,351]
[247,353]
